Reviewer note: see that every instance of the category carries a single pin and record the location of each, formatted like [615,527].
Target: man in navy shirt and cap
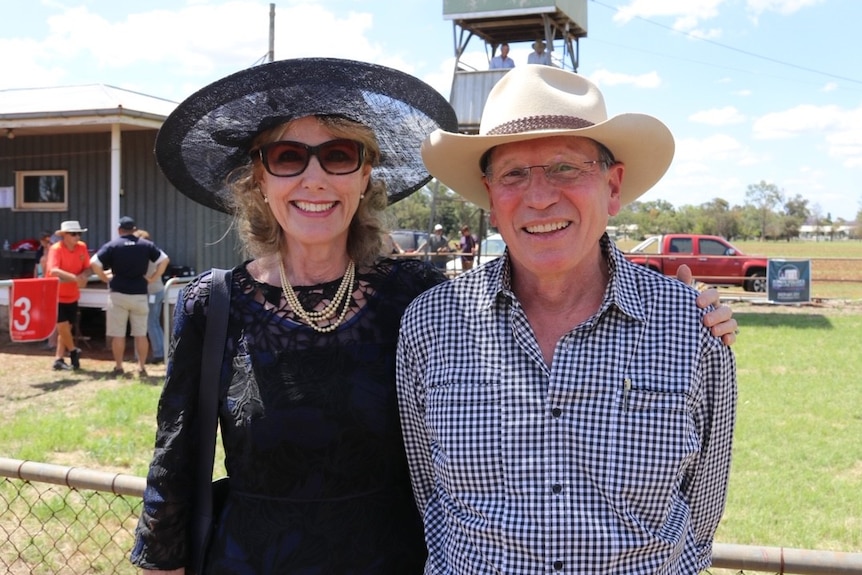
[127,257]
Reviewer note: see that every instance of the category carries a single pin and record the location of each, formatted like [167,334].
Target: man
[69,260]
[502,61]
[437,244]
[564,410]
[468,246]
[128,258]
[538,55]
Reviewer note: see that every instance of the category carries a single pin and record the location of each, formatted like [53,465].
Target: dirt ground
[27,379]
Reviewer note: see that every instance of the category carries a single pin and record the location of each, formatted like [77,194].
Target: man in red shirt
[69,260]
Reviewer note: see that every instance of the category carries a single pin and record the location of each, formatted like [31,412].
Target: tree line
[766,214]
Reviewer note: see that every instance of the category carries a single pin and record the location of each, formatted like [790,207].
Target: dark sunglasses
[74,233]
[336,157]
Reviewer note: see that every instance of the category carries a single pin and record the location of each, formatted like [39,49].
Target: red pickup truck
[712,260]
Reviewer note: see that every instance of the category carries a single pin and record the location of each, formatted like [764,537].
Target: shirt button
[558,565]
[556,412]
[557,488]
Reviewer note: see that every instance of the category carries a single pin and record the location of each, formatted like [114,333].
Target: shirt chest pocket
[464,420]
[656,442]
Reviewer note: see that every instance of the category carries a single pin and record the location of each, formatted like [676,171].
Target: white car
[490,248]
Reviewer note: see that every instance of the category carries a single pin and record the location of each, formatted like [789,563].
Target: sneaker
[60,365]
[75,356]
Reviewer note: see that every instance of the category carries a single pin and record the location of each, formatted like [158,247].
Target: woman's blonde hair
[259,231]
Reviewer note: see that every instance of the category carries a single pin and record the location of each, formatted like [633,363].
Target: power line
[710,64]
[738,50]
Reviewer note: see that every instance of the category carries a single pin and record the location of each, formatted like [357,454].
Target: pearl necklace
[312,318]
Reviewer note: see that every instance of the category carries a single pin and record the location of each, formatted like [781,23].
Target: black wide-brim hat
[210,133]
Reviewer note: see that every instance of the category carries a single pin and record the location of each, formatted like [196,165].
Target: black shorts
[67,312]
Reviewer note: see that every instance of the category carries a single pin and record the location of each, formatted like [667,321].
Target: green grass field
[797,466]
[796,477]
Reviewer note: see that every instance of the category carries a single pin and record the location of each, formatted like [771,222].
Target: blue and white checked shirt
[614,460]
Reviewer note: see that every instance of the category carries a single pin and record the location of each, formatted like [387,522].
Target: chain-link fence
[56,519]
[68,520]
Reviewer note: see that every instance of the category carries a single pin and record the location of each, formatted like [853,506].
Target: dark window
[681,245]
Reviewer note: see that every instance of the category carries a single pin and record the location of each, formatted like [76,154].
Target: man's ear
[615,184]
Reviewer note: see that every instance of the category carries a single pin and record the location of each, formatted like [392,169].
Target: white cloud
[441,78]
[718,116]
[780,6]
[195,39]
[830,87]
[708,168]
[698,156]
[688,14]
[834,129]
[796,121]
[608,78]
[715,147]
[199,42]
[711,34]
[33,66]
[682,188]
[845,142]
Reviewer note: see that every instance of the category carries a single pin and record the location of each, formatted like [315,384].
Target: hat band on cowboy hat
[534,101]
[210,133]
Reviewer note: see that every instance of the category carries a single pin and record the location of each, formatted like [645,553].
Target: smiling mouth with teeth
[545,228]
[309,207]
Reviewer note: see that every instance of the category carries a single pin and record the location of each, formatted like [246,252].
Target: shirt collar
[496,277]
[622,290]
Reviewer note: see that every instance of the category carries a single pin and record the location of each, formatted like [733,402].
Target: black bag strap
[211,362]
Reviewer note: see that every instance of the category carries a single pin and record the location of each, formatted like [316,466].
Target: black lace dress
[319,480]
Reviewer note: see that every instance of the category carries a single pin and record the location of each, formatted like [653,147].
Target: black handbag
[209,495]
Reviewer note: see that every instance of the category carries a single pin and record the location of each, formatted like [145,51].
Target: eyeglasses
[560,173]
[336,157]
[74,233]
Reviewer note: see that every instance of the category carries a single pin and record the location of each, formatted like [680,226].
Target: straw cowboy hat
[70,226]
[534,101]
[209,134]
[539,43]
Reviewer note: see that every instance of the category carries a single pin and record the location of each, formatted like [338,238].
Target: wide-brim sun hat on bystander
[70,226]
[210,133]
[535,101]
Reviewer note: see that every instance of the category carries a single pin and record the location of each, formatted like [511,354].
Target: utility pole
[270,56]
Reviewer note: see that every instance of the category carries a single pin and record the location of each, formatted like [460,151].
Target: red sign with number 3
[33,308]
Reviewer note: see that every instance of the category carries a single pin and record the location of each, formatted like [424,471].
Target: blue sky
[752,89]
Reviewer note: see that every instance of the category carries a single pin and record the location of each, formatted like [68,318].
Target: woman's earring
[361,196]
[265,200]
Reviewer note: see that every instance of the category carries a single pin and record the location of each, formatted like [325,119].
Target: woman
[313,148]
[307,400]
